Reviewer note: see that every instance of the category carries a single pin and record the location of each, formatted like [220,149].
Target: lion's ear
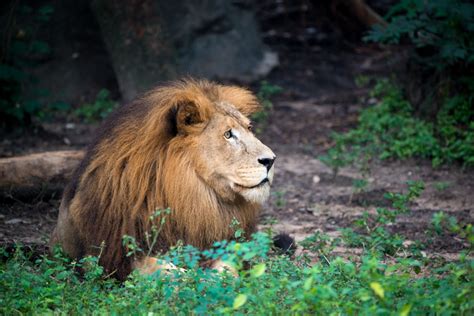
[188,117]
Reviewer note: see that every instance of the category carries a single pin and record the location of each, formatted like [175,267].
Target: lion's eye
[250,127]
[228,134]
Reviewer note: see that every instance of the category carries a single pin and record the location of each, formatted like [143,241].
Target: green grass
[388,279]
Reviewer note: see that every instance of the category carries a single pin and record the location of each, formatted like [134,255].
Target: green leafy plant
[444,224]
[373,234]
[268,283]
[264,95]
[280,200]
[441,33]
[97,110]
[237,228]
[158,219]
[391,130]
[443,27]
[339,155]
[321,245]
[442,185]
[362,81]
[272,285]
[358,186]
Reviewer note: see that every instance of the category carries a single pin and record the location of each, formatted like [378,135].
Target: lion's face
[231,159]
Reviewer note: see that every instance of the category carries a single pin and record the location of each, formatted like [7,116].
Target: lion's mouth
[262,183]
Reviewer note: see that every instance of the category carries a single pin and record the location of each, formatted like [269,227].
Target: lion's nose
[267,162]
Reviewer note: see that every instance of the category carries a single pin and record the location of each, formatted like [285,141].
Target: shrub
[264,95]
[390,129]
[376,237]
[274,284]
[441,30]
[99,109]
[442,34]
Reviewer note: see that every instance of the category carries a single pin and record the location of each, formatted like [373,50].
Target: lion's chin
[257,195]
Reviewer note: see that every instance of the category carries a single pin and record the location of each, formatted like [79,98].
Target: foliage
[391,130]
[442,185]
[376,235]
[99,109]
[442,32]
[274,284]
[358,186]
[264,95]
[445,27]
[280,200]
[20,51]
[444,224]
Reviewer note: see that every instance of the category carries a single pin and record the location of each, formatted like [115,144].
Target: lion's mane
[137,165]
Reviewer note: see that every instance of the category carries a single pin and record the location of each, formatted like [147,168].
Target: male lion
[187,146]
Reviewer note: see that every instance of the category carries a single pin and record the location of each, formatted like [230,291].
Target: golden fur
[167,150]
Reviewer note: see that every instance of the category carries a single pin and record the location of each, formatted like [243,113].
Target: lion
[186,146]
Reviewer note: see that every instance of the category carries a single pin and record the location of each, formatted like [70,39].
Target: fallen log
[26,177]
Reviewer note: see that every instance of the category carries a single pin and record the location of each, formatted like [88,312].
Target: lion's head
[226,154]
[187,146]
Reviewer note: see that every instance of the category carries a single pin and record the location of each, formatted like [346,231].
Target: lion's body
[161,152]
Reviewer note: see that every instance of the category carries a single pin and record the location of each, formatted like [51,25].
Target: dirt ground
[319,97]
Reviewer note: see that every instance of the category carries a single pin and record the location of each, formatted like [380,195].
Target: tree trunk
[28,176]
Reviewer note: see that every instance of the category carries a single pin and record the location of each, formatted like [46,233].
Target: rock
[316,179]
[156,40]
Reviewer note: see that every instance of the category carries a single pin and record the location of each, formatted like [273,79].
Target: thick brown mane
[140,163]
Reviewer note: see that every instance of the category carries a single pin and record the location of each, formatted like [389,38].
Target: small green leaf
[62,275]
[238,233]
[239,301]
[258,270]
[378,289]
[405,310]
[308,283]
